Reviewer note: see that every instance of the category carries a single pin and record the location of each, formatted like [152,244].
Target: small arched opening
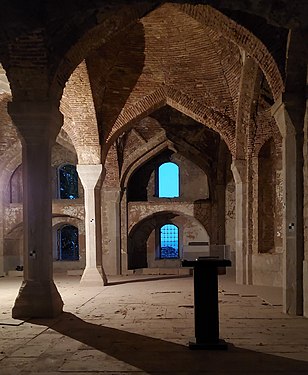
[168,180]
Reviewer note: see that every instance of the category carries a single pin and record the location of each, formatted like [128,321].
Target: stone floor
[142,326]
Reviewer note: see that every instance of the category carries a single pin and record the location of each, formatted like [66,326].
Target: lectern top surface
[206,262]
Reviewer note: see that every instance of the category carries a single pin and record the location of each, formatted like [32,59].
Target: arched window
[169,241]
[68,247]
[168,180]
[68,182]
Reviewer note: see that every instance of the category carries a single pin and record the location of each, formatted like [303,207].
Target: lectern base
[220,345]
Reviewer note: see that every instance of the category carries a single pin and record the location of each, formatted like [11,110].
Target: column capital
[112,194]
[90,174]
[282,118]
[36,121]
[239,169]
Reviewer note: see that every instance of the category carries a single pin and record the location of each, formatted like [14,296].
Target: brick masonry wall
[77,103]
[8,132]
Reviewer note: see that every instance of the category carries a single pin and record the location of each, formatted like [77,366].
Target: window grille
[169,241]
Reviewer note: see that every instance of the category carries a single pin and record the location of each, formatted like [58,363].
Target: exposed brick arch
[164,214]
[140,157]
[74,38]
[242,37]
[7,167]
[4,83]
[179,101]
[207,17]
[99,30]
[68,122]
[207,116]
[136,112]
[10,144]
[266,129]
[80,119]
[8,131]
[71,220]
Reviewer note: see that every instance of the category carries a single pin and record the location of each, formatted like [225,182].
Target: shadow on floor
[144,278]
[156,356]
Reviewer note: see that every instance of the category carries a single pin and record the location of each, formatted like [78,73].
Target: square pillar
[38,125]
[293,247]
[243,258]
[111,231]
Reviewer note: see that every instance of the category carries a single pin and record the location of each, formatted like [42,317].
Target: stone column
[292,170]
[111,231]
[221,212]
[38,125]
[90,176]
[243,259]
[124,234]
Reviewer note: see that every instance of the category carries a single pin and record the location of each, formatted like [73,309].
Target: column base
[219,345]
[37,299]
[93,277]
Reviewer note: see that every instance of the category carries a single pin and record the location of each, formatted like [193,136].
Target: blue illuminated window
[68,246]
[168,180]
[68,182]
[169,241]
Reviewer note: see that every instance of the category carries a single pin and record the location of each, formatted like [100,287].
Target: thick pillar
[292,211]
[90,176]
[111,231]
[305,262]
[243,258]
[38,125]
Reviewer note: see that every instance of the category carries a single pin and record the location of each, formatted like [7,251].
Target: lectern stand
[206,302]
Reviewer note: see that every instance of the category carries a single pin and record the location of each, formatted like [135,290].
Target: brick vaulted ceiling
[168,53]
[187,56]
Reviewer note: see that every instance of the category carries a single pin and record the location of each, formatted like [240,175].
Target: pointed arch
[179,101]
[101,28]
[80,118]
[242,37]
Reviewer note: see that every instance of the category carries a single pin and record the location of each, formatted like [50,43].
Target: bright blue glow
[168,180]
[169,241]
